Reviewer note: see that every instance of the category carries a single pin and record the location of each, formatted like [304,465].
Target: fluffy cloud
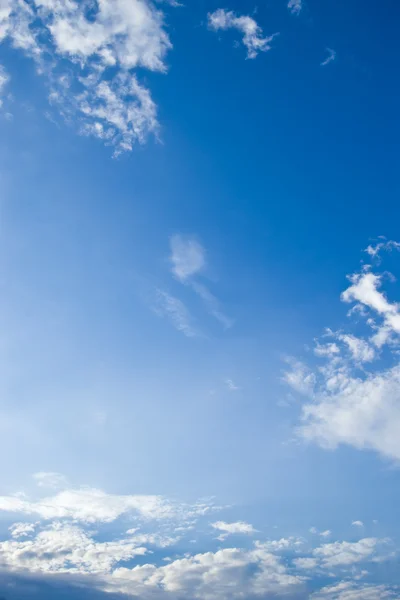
[89,53]
[253,38]
[348,402]
[239,527]
[72,534]
[90,505]
[63,548]
[348,590]
[347,553]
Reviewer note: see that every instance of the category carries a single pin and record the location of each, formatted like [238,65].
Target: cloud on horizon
[69,533]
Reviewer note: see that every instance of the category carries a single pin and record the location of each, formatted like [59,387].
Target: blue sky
[199,309]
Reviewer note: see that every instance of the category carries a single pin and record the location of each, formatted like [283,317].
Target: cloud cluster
[354,397]
[71,534]
[90,53]
[253,40]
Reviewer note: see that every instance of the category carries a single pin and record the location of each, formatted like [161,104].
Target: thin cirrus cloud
[253,39]
[331,56]
[90,63]
[4,79]
[82,533]
[188,261]
[295,6]
[176,312]
[352,398]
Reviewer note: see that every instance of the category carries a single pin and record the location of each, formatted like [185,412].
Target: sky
[199,310]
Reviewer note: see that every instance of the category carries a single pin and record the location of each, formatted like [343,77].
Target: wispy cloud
[174,309]
[188,260]
[231,385]
[253,39]
[295,6]
[4,79]
[331,56]
[187,257]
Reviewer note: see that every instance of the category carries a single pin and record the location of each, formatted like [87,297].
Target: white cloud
[174,309]
[330,58]
[50,480]
[5,11]
[89,505]
[252,33]
[329,350]
[348,590]
[230,384]
[91,61]
[358,523]
[299,377]
[19,530]
[73,536]
[361,350]
[326,533]
[348,401]
[307,564]
[188,257]
[295,6]
[239,527]
[365,291]
[62,547]
[347,553]
[4,79]
[230,573]
[388,245]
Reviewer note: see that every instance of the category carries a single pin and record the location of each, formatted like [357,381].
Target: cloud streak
[253,40]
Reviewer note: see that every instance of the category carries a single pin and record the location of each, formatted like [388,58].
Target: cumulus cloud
[72,535]
[349,590]
[331,56]
[347,553]
[252,39]
[358,523]
[348,401]
[90,53]
[239,527]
